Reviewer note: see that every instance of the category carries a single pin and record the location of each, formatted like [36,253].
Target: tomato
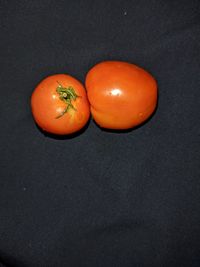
[59,104]
[122,95]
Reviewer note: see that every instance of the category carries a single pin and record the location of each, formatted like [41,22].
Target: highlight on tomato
[121,95]
[59,104]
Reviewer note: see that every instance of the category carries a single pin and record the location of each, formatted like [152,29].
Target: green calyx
[67,95]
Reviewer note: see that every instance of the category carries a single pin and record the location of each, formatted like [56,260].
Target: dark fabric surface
[100,199]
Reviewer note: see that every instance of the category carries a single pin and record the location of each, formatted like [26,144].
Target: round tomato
[121,95]
[59,104]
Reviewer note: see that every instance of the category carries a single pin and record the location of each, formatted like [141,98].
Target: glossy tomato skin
[47,107]
[122,95]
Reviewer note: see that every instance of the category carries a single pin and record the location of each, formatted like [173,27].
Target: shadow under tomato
[7,260]
[64,137]
[127,130]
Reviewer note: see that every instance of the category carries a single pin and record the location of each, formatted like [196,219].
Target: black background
[100,199]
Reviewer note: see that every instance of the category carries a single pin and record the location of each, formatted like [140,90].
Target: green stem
[67,95]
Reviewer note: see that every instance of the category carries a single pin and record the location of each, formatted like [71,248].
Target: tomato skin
[122,95]
[47,107]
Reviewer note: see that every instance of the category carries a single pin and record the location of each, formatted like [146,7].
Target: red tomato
[59,104]
[121,95]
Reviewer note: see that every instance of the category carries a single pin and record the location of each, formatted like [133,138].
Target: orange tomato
[59,104]
[121,95]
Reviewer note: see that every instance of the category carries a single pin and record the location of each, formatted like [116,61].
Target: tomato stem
[67,95]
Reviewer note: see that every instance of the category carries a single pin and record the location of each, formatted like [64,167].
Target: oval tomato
[59,104]
[121,95]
